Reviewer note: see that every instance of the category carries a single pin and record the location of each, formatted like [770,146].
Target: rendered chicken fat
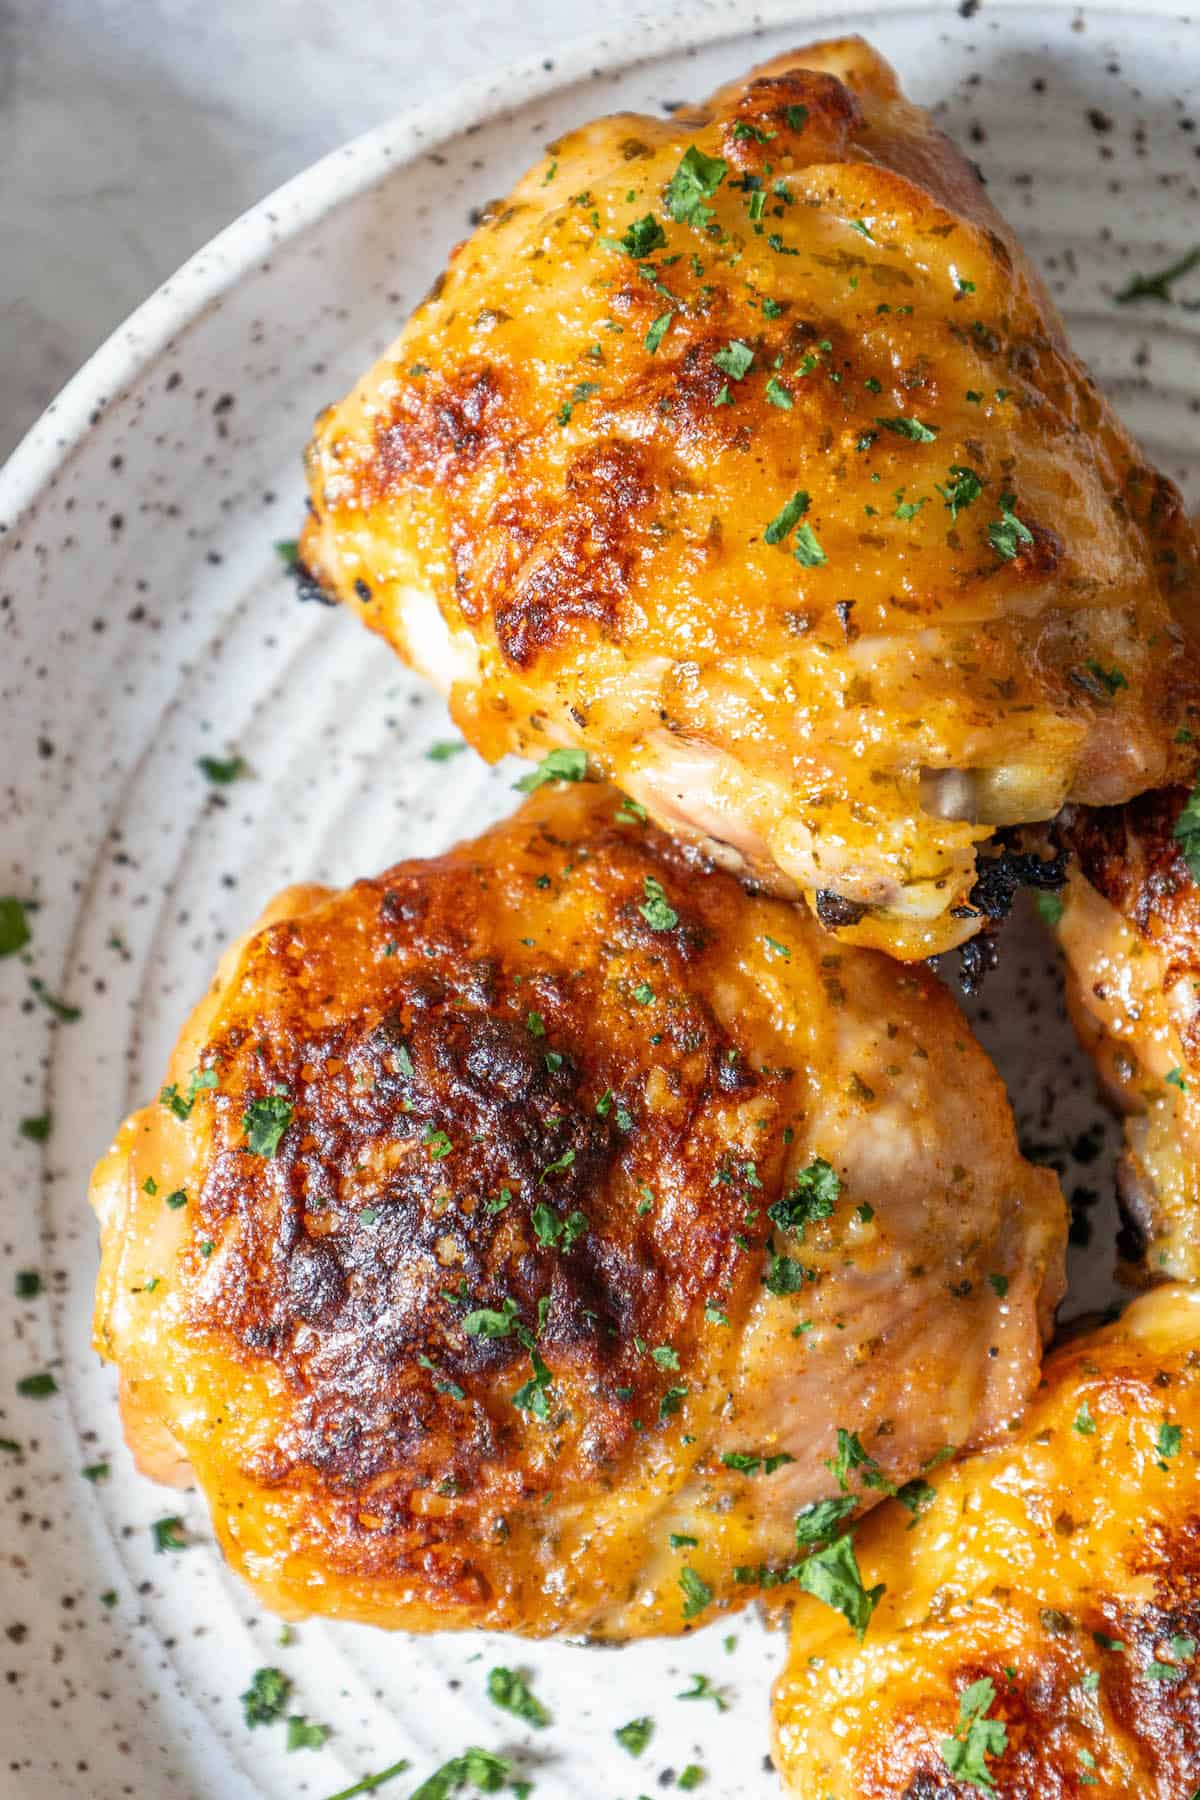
[518,1230]
[744,450]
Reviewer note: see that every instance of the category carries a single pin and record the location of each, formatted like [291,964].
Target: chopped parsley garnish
[304,1734]
[37,1387]
[264,1122]
[696,1593]
[747,1462]
[265,1700]
[555,1233]
[1050,908]
[812,1195]
[916,1497]
[535,1025]
[784,1275]
[1187,832]
[638,240]
[788,516]
[27,1284]
[1083,1422]
[1007,534]
[714,1315]
[558,1166]
[851,1455]
[169,1534]
[486,1322]
[658,331]
[221,771]
[635,1736]
[14,925]
[181,1104]
[904,427]
[62,1009]
[963,487]
[703,1688]
[1111,680]
[176,1199]
[36,1129]
[744,132]
[690,1778]
[778,395]
[1158,286]
[1169,1440]
[778,949]
[695,180]
[671,1401]
[656,911]
[437,1143]
[808,552]
[833,1575]
[483,1770]
[734,360]
[1175,1078]
[287,550]
[817,1522]
[532,1396]
[796,116]
[559,765]
[508,1688]
[862,228]
[976,1737]
[679,1540]
[643,993]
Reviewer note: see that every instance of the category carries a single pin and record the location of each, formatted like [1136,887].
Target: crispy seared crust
[496,1048]
[1026,1552]
[1131,934]
[564,527]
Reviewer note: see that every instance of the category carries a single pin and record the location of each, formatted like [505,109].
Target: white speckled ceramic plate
[145,621]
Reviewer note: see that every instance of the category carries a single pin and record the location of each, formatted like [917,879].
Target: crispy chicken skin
[787,501]
[467,1339]
[1130,931]
[1062,1565]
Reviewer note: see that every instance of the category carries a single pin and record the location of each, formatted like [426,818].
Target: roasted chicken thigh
[524,1238]
[1129,926]
[744,450]
[1038,1636]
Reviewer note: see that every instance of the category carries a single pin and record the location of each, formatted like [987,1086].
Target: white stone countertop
[132,130]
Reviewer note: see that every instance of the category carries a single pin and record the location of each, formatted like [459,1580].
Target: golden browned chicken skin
[1129,925]
[518,1231]
[1039,1636]
[744,450]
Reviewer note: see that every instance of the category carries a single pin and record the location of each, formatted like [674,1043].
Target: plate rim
[352,168]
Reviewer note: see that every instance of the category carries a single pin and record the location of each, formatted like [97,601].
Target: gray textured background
[132,130]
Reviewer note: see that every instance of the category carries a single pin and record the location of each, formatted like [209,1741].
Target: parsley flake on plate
[635,1736]
[510,1690]
[14,924]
